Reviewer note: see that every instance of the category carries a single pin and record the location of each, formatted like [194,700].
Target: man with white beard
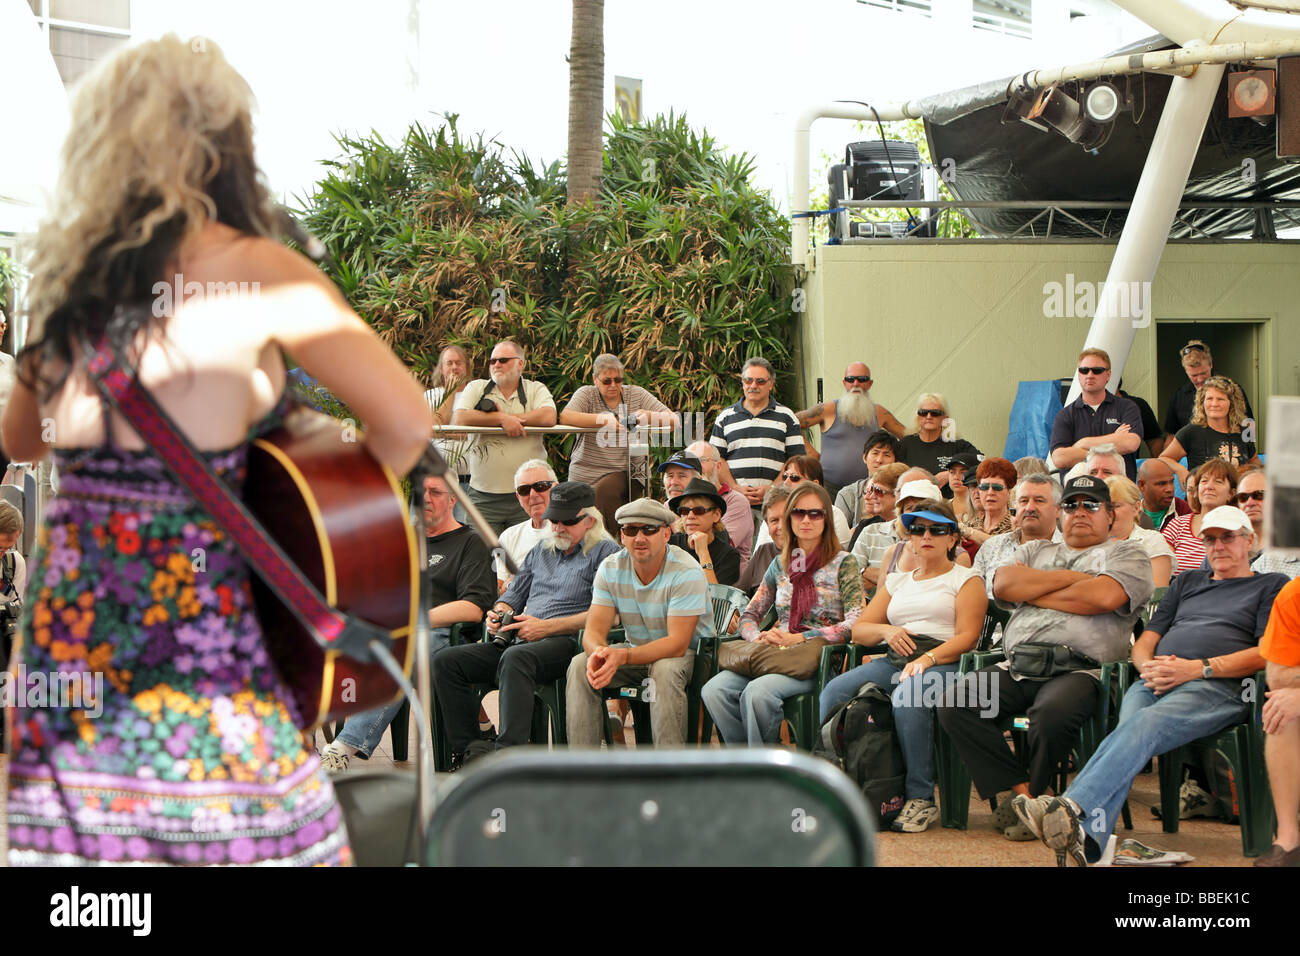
[842,444]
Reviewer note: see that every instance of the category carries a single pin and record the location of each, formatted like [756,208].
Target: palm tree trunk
[586,99]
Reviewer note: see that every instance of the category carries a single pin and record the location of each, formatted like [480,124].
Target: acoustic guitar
[340,516]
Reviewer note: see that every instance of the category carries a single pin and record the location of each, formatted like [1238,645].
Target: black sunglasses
[695,510]
[537,486]
[816,514]
[930,412]
[938,530]
[1070,507]
[612,381]
[503,360]
[860,379]
[568,522]
[1092,369]
[1192,348]
[1244,496]
[648,530]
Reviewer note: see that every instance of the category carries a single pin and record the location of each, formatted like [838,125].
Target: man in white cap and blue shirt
[661,595]
[1191,660]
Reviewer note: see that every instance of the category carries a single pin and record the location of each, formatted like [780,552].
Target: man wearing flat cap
[1196,662]
[548,600]
[662,598]
[703,534]
[1085,592]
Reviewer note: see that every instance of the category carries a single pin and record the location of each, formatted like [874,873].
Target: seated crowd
[903,544]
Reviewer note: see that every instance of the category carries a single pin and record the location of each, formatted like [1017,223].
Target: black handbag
[923,642]
[1037,660]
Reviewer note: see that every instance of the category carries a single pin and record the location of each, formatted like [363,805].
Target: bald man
[842,443]
[1159,505]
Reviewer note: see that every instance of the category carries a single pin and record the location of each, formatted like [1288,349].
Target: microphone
[291,228]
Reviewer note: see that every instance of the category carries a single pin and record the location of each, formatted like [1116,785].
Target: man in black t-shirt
[462,586]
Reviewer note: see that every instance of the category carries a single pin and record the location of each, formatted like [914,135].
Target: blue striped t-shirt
[680,589]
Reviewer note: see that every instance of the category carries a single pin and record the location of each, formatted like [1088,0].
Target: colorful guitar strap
[336,631]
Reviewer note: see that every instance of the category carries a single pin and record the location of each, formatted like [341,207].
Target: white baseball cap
[920,489]
[1228,518]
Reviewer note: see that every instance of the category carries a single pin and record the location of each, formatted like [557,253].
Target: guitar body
[341,518]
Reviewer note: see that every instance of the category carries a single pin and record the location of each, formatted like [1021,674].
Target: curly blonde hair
[1236,402]
[160,143]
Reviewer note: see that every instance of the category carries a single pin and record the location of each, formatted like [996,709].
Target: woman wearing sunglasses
[816,589]
[925,619]
[1208,487]
[928,447]
[798,469]
[996,480]
[700,531]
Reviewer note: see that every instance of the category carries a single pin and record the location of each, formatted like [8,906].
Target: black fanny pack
[1042,661]
[923,642]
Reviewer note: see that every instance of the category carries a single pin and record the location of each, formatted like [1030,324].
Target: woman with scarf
[816,588]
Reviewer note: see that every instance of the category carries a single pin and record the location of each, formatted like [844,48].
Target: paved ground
[1211,843]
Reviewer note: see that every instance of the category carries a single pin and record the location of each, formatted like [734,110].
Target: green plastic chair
[802,710]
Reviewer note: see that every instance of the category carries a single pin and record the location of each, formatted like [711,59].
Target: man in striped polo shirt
[756,435]
[662,597]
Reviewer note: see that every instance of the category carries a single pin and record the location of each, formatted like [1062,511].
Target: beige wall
[966,319]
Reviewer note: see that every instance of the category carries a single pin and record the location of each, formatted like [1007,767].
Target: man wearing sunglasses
[548,600]
[533,483]
[1198,363]
[509,401]
[1252,492]
[1086,593]
[1096,417]
[858,418]
[661,597]
[756,436]
[1196,661]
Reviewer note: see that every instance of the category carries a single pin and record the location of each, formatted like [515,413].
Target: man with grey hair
[1104,461]
[532,627]
[448,381]
[756,436]
[601,459]
[737,520]
[1038,505]
[859,418]
[533,483]
[511,402]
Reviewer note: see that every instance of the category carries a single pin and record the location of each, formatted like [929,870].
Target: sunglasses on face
[991,486]
[1244,496]
[612,381]
[1093,369]
[697,511]
[568,522]
[646,530]
[754,381]
[872,491]
[860,379]
[812,514]
[1070,507]
[502,360]
[937,530]
[537,486]
[930,412]
[791,476]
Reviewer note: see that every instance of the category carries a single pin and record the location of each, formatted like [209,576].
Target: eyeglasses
[791,476]
[569,522]
[1244,496]
[930,412]
[860,379]
[1212,539]
[646,530]
[696,510]
[992,486]
[1092,369]
[746,380]
[875,491]
[813,514]
[503,360]
[1192,348]
[1070,507]
[937,530]
[537,486]
[612,381]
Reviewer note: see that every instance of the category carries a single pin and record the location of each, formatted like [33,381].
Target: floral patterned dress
[150,724]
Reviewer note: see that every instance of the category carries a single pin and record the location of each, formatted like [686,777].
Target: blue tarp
[1029,429]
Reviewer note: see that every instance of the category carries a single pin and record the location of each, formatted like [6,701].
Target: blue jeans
[366,729]
[914,703]
[750,710]
[1149,726]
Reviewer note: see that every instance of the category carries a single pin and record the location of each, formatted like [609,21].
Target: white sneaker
[334,758]
[916,816]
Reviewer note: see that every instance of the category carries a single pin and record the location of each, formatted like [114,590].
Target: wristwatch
[933,660]
[1207,671]
[707,566]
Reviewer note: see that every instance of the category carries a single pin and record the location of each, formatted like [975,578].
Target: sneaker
[1062,832]
[1005,815]
[334,758]
[1031,811]
[916,816]
[1019,833]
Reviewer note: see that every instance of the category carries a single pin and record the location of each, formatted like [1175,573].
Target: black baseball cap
[1085,486]
[568,498]
[681,459]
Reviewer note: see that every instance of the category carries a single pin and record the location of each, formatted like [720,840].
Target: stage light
[1101,103]
[1250,93]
